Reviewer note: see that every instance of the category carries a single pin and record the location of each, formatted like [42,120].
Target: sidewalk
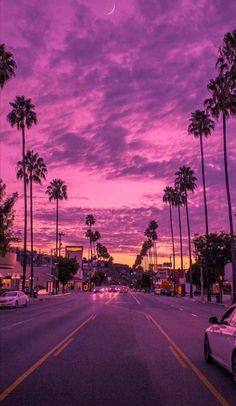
[46,296]
[226,300]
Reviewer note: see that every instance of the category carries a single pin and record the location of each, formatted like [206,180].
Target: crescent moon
[112,11]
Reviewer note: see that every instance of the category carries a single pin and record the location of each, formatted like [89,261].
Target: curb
[206,302]
[41,298]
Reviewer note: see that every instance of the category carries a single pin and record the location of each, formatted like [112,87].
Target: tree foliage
[217,255]
[7,65]
[6,218]
[67,268]
[57,190]
[34,166]
[98,278]
[22,114]
[102,251]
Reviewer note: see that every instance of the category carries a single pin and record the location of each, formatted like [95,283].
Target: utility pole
[60,243]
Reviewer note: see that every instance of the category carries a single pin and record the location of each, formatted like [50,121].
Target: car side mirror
[213,320]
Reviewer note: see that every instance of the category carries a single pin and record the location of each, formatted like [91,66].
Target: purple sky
[113,95]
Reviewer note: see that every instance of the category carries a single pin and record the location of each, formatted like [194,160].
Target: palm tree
[186,181]
[223,103]
[151,234]
[6,219]
[35,171]
[138,261]
[153,225]
[147,234]
[57,190]
[95,236]
[226,62]
[7,65]
[178,201]
[168,197]
[23,116]
[201,125]
[90,221]
[102,251]
[144,250]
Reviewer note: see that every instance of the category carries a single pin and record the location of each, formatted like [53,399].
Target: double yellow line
[55,351]
[185,361]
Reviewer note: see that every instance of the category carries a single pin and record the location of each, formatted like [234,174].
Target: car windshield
[9,294]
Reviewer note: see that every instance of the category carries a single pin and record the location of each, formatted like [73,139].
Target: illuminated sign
[74,248]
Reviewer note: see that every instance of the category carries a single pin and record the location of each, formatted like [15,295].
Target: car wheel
[16,303]
[207,350]
[26,303]
[234,367]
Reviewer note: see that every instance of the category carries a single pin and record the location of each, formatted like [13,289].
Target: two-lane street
[110,349]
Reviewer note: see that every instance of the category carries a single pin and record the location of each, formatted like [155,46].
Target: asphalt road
[111,349]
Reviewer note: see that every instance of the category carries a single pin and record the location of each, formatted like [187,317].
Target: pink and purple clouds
[113,95]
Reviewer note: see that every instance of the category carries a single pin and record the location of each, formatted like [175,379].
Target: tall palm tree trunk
[173,244]
[25,209]
[155,251]
[189,247]
[180,239]
[57,216]
[150,259]
[94,249]
[229,211]
[31,239]
[204,186]
[206,220]
[91,244]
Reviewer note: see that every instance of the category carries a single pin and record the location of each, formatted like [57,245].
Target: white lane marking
[194,315]
[135,298]
[180,308]
[14,325]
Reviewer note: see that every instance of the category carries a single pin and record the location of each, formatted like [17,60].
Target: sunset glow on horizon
[113,93]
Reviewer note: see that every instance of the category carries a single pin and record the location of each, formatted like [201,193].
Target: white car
[13,298]
[220,341]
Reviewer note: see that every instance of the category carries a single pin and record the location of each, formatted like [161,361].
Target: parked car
[220,341]
[165,292]
[13,298]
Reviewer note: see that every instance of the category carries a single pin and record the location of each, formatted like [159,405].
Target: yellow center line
[62,347]
[179,359]
[29,371]
[184,357]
